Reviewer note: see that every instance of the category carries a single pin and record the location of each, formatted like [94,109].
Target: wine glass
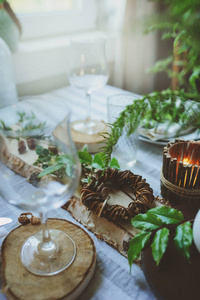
[89,72]
[47,252]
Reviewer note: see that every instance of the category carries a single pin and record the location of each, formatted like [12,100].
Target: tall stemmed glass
[89,72]
[47,252]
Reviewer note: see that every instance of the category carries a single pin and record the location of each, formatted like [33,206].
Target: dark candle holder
[180,175]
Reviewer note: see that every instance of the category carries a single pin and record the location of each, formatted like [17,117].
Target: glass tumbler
[125,151]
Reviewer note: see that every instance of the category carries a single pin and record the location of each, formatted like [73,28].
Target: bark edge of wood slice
[68,284]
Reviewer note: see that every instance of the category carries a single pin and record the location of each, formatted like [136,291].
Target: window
[38,6]
[48,18]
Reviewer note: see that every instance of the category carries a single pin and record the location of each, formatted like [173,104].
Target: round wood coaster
[93,141]
[18,283]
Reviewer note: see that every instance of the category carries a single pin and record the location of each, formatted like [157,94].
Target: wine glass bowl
[88,72]
[54,180]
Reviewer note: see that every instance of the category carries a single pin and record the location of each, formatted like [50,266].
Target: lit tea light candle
[180,176]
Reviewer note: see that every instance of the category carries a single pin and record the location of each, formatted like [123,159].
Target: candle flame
[186,161]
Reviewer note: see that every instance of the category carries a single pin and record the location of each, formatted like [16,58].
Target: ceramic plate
[192,136]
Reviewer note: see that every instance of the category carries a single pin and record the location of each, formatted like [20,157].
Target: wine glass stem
[47,247]
[88,97]
[46,235]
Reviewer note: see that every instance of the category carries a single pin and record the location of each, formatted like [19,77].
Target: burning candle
[180,176]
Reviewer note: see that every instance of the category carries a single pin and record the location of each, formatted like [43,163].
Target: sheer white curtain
[136,51]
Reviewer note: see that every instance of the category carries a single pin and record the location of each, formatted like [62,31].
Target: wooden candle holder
[180,175]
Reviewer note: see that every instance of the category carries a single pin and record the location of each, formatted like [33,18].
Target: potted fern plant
[180,21]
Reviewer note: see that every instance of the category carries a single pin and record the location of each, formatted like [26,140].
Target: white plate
[192,136]
[163,132]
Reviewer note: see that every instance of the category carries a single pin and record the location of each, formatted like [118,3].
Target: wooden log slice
[93,141]
[18,283]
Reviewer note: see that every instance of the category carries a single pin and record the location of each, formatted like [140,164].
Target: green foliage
[114,164]
[167,215]
[146,222]
[52,163]
[61,164]
[162,65]
[180,21]
[85,157]
[97,162]
[153,109]
[27,122]
[183,239]
[159,244]
[3,126]
[51,169]
[137,244]
[154,226]
[44,157]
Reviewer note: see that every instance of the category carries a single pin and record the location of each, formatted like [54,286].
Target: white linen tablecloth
[112,279]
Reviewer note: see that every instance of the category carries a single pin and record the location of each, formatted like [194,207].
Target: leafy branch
[155,229]
[153,109]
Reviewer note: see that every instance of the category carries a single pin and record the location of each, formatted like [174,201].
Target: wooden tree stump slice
[93,141]
[18,283]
